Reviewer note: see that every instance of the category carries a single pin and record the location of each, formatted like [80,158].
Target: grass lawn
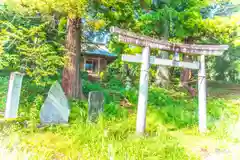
[171,129]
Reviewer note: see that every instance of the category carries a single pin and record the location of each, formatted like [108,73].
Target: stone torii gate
[146,60]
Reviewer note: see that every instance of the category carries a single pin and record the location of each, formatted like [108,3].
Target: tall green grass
[113,136]
[3,91]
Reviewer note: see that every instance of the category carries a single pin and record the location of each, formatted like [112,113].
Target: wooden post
[202,96]
[84,64]
[143,92]
[99,65]
[92,66]
[13,97]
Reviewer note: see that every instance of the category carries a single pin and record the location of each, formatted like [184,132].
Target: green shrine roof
[97,45]
[101,52]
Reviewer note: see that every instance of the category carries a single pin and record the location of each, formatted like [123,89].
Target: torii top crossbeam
[192,49]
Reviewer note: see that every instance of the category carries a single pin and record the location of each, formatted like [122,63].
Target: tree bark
[186,76]
[186,73]
[71,80]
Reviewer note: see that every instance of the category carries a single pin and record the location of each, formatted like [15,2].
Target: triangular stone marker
[55,109]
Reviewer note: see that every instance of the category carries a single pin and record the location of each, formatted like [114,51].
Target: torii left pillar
[143,92]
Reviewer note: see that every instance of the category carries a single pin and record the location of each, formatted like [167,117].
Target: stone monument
[95,105]
[55,109]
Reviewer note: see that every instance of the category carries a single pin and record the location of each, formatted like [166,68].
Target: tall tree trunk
[163,76]
[71,81]
[186,76]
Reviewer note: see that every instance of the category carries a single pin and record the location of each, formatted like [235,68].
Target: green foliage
[179,21]
[224,30]
[71,9]
[177,110]
[34,45]
[114,13]
[112,90]
[3,93]
[114,111]
[108,138]
[29,48]
[113,135]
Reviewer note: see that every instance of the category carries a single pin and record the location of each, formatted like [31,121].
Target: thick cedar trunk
[71,81]
[186,76]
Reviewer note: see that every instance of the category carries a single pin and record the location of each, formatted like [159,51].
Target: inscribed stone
[13,97]
[95,105]
[55,108]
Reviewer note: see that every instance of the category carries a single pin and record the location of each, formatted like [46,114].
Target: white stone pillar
[84,64]
[202,102]
[143,92]
[13,97]
[99,63]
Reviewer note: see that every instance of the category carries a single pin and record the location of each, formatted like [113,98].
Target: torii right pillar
[202,96]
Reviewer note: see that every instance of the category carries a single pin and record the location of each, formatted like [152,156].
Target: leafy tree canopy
[30,45]
[71,8]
